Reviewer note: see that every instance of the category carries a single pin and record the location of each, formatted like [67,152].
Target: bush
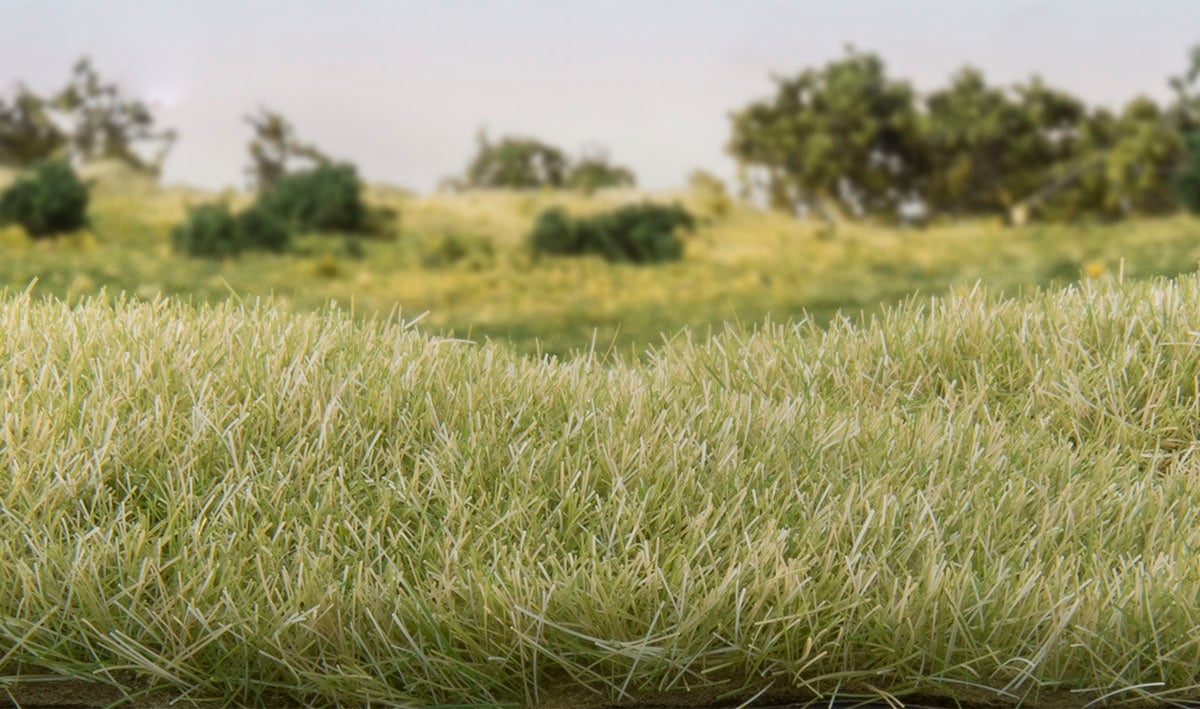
[259,228]
[554,232]
[645,233]
[212,230]
[209,230]
[50,201]
[326,198]
[1188,186]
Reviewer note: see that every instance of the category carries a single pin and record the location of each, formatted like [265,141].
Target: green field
[742,266]
[976,497]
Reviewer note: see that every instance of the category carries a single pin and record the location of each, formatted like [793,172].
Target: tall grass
[973,497]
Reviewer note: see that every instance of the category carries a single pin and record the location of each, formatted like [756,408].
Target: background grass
[459,260]
[971,497]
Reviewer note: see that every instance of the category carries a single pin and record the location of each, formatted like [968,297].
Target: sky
[401,88]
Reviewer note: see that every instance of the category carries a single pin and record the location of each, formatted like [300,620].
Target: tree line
[849,140]
[844,140]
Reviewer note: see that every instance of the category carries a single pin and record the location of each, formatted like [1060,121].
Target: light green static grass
[973,497]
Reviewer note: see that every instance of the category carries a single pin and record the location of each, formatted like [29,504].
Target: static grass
[976,498]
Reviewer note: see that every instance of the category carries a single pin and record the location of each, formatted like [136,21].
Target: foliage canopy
[846,138]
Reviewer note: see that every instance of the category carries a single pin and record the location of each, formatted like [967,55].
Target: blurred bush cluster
[640,233]
[50,200]
[213,230]
[326,199]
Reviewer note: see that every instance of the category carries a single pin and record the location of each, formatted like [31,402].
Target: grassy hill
[974,497]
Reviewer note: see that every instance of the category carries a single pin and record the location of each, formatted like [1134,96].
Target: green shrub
[644,233]
[209,230]
[51,200]
[260,228]
[326,198]
[212,230]
[554,232]
[1188,185]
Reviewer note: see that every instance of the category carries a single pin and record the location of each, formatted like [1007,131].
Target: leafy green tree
[106,124]
[1118,165]
[1046,146]
[593,171]
[967,132]
[1141,163]
[987,149]
[516,163]
[1185,112]
[845,137]
[27,130]
[275,150]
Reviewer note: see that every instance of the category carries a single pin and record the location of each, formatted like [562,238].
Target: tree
[966,136]
[988,150]
[844,136]
[1186,114]
[1139,166]
[1114,165]
[28,134]
[593,171]
[516,163]
[275,150]
[105,124]
[1046,147]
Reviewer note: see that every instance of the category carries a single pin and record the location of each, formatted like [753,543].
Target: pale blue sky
[400,88]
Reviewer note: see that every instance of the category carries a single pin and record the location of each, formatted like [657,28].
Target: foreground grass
[460,259]
[975,498]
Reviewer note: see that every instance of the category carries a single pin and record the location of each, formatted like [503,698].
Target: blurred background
[562,176]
